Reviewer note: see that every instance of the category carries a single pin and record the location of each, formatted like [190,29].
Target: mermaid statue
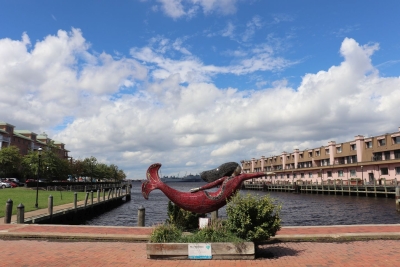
[227,176]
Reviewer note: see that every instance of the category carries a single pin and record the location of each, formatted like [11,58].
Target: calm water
[297,209]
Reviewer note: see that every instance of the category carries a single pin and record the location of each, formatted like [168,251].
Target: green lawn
[27,197]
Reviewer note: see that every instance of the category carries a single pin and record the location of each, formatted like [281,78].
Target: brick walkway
[56,252]
[20,253]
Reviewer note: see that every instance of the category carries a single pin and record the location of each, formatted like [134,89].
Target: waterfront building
[26,140]
[364,159]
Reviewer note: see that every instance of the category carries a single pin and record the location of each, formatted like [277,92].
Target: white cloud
[57,76]
[189,126]
[181,8]
[191,69]
[254,24]
[172,8]
[229,30]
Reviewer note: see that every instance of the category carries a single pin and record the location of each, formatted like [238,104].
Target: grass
[27,197]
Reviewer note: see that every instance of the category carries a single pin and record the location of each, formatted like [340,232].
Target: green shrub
[184,220]
[215,232]
[165,233]
[253,218]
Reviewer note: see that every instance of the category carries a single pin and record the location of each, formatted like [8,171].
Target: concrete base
[220,251]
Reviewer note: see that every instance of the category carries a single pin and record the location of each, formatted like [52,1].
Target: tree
[102,171]
[10,160]
[77,168]
[30,164]
[52,166]
[121,175]
[89,167]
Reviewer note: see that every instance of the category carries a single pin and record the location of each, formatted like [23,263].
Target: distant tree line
[13,164]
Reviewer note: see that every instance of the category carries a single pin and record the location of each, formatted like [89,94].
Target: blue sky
[195,83]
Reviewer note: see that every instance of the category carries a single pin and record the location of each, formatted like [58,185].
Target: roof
[24,132]
[5,123]
[40,142]
[22,136]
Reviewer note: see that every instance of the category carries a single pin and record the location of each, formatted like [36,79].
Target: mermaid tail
[153,180]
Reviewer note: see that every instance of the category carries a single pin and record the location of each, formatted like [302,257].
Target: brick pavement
[30,253]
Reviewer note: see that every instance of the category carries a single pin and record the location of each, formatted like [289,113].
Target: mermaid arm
[209,185]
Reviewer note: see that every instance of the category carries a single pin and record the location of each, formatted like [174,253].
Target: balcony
[377,158]
[5,139]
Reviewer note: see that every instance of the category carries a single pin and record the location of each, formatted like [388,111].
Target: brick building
[26,140]
[364,158]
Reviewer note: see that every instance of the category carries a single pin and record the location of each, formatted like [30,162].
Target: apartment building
[364,158]
[26,140]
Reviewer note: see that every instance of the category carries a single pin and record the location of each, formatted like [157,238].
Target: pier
[95,203]
[331,187]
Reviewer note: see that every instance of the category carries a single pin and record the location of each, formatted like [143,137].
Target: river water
[297,209]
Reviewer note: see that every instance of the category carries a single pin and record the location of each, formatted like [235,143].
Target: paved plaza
[20,253]
[24,245]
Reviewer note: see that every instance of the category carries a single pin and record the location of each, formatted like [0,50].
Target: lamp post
[37,178]
[115,176]
[91,180]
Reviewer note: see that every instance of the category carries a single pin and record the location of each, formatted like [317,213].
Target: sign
[204,222]
[199,251]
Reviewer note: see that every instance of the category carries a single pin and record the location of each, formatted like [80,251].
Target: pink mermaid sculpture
[198,200]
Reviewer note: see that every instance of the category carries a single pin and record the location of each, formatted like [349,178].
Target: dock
[336,187]
[74,213]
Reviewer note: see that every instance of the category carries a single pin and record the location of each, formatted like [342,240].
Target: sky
[192,84]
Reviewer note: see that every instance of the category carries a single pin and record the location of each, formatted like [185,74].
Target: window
[327,151]
[397,170]
[377,156]
[368,144]
[294,175]
[317,153]
[302,175]
[397,154]
[301,156]
[339,149]
[396,140]
[281,176]
[352,172]
[310,154]
[351,159]
[310,175]
[287,176]
[353,147]
[340,173]
[329,173]
[384,171]
[381,142]
[340,160]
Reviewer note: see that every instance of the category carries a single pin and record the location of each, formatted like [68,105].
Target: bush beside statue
[249,218]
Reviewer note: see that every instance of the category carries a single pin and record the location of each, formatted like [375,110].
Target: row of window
[368,144]
[353,173]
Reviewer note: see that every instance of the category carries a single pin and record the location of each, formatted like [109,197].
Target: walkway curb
[339,233]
